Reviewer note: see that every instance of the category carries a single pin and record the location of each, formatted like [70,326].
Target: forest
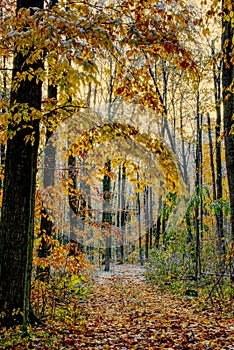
[116,174]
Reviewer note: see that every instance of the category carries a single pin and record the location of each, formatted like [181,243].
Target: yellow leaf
[232,130]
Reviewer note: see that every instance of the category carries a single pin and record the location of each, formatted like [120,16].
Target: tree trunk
[184,161]
[2,144]
[158,223]
[151,222]
[16,229]
[198,191]
[146,207]
[118,213]
[228,104]
[48,181]
[189,225]
[123,212]
[139,222]
[211,157]
[219,186]
[2,163]
[106,216]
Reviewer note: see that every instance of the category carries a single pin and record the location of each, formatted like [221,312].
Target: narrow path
[125,312]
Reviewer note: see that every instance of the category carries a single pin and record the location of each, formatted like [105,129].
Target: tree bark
[123,212]
[158,223]
[139,221]
[118,214]
[106,216]
[219,186]
[184,161]
[228,103]
[151,223]
[2,144]
[16,228]
[146,207]
[211,157]
[198,183]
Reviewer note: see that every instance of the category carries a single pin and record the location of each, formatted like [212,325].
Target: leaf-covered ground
[126,312]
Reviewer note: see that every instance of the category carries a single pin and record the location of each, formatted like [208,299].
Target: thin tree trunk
[106,216]
[219,186]
[77,205]
[164,219]
[146,207]
[139,222]
[158,223]
[211,157]
[163,100]
[48,181]
[118,212]
[184,162]
[201,179]
[198,192]
[165,121]
[123,212]
[151,223]
[189,225]
[85,192]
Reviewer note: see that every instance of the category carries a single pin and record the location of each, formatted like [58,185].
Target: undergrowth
[57,299]
[210,290]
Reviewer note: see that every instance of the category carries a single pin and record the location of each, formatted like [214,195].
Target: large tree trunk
[16,229]
[228,104]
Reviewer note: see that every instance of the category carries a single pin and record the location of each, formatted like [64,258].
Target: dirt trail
[125,312]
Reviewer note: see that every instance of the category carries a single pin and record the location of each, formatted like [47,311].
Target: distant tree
[139,220]
[107,215]
[147,226]
[123,211]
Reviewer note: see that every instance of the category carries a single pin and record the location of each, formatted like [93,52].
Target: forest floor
[126,312]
